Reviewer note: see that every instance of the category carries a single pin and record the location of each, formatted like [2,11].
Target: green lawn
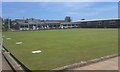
[61,47]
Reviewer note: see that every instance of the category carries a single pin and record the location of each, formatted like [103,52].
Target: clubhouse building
[37,24]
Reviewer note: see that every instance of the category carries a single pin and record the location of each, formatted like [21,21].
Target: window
[69,24]
[26,25]
[64,25]
[99,23]
[112,22]
[73,24]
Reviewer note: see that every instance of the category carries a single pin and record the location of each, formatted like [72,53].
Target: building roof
[96,20]
[40,23]
[54,20]
[37,21]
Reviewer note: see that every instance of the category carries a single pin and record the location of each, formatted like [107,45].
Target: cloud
[80,14]
[75,4]
[72,13]
[109,8]
[90,9]
[78,8]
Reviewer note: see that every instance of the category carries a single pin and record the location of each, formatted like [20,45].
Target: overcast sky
[58,10]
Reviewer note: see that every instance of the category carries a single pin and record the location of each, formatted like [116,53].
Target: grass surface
[61,47]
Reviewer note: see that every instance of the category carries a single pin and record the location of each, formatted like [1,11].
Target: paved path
[5,65]
[8,66]
[110,64]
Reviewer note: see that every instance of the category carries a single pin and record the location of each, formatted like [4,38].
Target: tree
[68,19]
[6,24]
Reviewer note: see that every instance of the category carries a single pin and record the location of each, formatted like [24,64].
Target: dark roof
[97,20]
[55,21]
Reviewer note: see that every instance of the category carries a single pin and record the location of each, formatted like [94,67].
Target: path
[110,64]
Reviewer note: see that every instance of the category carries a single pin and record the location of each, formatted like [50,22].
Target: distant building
[37,24]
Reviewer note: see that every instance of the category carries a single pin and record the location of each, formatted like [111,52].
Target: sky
[60,0]
[58,10]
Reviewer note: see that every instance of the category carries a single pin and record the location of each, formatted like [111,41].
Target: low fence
[25,69]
